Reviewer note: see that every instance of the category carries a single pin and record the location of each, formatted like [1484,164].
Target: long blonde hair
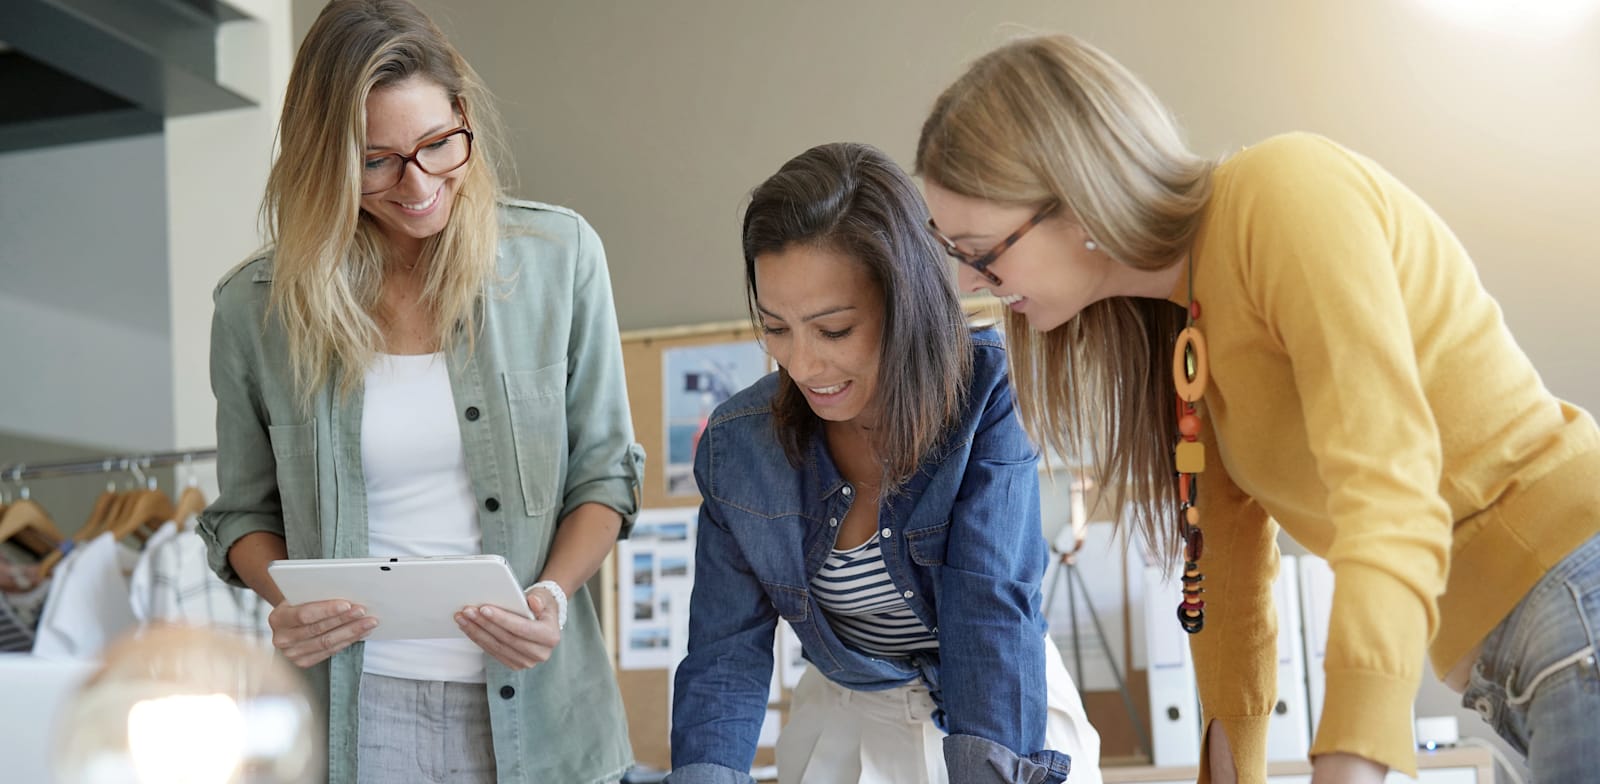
[328,255]
[1052,118]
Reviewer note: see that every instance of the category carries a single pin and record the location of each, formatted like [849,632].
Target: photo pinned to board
[695,380]
[655,573]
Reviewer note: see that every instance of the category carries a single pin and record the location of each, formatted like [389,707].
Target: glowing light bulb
[178,705]
[186,739]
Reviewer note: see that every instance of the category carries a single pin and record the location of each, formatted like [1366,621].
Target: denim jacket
[962,543]
[544,420]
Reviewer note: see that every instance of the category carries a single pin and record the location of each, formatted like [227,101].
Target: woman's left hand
[511,639]
[1340,768]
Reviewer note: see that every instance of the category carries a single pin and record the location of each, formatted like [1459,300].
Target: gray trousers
[417,731]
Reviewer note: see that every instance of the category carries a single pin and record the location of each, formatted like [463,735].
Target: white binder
[1316,603]
[1174,699]
[1289,728]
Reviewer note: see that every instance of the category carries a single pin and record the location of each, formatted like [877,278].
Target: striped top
[16,634]
[866,610]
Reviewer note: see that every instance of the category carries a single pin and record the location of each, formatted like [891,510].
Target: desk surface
[1458,757]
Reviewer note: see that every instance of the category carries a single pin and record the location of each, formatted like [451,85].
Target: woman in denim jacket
[878,494]
[419,367]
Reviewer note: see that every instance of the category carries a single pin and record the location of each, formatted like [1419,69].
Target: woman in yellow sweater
[1288,337]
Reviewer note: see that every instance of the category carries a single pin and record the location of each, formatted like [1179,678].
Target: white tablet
[412,598]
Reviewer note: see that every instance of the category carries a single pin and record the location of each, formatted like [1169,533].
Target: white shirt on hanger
[172,582]
[87,606]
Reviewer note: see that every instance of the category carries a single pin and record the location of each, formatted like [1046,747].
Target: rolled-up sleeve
[248,499]
[605,465]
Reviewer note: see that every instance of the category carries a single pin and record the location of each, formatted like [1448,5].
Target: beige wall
[655,119]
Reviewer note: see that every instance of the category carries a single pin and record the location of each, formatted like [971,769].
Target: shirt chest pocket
[794,605]
[294,449]
[537,402]
[791,603]
[927,545]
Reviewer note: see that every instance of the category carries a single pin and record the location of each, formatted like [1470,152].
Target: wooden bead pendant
[1190,375]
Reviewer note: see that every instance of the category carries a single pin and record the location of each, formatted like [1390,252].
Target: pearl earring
[1091,245]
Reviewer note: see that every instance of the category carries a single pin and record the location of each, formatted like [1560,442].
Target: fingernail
[358,612]
[370,624]
[342,607]
[472,612]
[488,612]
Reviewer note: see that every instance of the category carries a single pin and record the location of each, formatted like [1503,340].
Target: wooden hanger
[190,503]
[116,509]
[97,516]
[27,516]
[49,563]
[35,541]
[148,508]
[105,508]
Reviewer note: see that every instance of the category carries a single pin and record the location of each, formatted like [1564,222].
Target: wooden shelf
[1467,759]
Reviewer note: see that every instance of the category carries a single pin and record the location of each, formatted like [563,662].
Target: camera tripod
[1067,565]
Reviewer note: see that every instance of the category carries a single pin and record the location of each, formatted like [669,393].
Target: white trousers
[836,735]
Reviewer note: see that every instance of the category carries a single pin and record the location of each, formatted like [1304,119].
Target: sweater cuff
[1368,714]
[1247,738]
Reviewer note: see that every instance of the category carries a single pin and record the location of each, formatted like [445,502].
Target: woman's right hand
[310,633]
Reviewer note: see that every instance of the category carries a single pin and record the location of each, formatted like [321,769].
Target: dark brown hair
[851,198]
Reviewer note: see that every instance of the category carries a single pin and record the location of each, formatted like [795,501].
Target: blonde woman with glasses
[1289,336]
[417,366]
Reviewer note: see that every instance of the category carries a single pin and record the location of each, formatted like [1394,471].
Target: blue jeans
[1537,681]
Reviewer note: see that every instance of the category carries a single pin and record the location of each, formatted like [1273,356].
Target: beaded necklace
[1190,374]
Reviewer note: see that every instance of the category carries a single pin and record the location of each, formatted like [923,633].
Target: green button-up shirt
[549,429]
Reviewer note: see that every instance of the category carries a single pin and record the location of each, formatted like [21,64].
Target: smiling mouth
[422,205]
[833,390]
[1009,299]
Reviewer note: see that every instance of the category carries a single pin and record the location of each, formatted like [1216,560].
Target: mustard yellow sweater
[1366,395]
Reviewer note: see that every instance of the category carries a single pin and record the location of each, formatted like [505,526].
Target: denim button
[833,521]
[909,594]
[846,490]
[506,692]
[1485,708]
[887,533]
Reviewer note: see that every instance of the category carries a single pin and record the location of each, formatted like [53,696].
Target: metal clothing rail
[20,472]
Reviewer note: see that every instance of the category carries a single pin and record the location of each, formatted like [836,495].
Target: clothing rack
[19,472]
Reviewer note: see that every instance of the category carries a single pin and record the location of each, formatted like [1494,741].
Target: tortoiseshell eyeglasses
[982,262]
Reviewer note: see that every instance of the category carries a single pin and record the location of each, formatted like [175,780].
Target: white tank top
[419,499]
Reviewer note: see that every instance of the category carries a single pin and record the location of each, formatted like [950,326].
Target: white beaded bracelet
[561,599]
